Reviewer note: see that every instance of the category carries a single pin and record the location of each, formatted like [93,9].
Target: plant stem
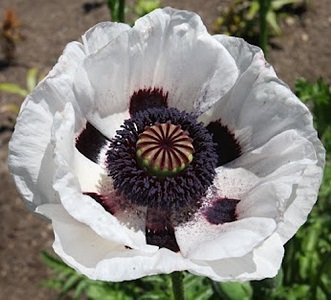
[177,285]
[117,10]
[111,9]
[265,289]
[121,11]
[264,32]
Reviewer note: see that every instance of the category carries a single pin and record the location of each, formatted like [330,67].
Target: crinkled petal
[259,103]
[162,49]
[260,108]
[30,152]
[98,258]
[82,207]
[299,204]
[263,180]
[267,188]
[102,259]
[263,262]
[101,34]
[199,239]
[288,166]
[204,241]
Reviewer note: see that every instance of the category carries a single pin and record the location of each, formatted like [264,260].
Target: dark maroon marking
[103,201]
[221,211]
[147,98]
[227,146]
[90,142]
[159,230]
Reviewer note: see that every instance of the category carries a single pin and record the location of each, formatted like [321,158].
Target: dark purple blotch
[90,143]
[159,230]
[147,98]
[222,210]
[227,146]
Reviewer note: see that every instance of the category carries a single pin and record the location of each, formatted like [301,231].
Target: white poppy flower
[161,148]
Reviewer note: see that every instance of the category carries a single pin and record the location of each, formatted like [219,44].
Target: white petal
[102,259]
[259,102]
[233,182]
[299,205]
[197,239]
[77,239]
[30,152]
[82,208]
[290,169]
[108,125]
[263,262]
[287,148]
[30,156]
[263,108]
[101,34]
[166,49]
[204,241]
[89,174]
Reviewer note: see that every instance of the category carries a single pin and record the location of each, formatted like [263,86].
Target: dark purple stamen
[228,148]
[180,192]
[147,98]
[90,143]
[222,210]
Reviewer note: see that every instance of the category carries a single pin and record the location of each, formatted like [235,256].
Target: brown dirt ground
[47,26]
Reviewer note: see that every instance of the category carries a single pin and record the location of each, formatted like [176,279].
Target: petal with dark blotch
[147,98]
[91,143]
[159,230]
[227,146]
[222,210]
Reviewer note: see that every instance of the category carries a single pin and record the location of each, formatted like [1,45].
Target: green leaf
[279,4]
[272,21]
[71,282]
[236,290]
[80,288]
[31,79]
[14,89]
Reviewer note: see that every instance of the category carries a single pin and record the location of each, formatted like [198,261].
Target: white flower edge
[101,259]
[159,51]
[280,112]
[61,86]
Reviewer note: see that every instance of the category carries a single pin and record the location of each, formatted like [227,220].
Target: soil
[46,27]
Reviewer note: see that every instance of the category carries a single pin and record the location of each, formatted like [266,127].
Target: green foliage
[69,283]
[143,7]
[318,97]
[32,79]
[307,264]
[117,10]
[241,17]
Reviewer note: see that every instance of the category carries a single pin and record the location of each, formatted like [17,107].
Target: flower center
[164,149]
[162,158]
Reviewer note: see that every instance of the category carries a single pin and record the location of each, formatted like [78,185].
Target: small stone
[305,37]
[289,21]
